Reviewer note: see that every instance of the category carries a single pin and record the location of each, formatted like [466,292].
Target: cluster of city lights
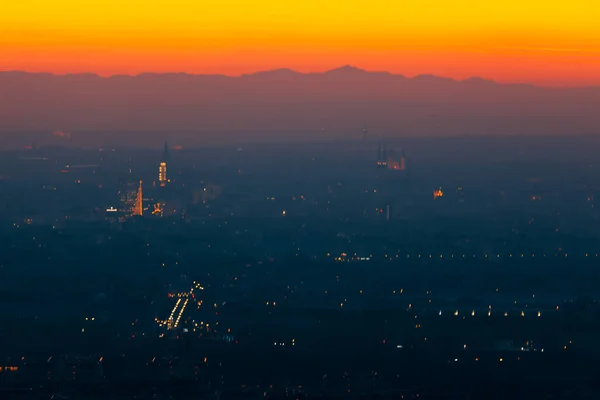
[180,305]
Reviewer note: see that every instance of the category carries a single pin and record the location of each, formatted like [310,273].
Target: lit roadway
[183,299]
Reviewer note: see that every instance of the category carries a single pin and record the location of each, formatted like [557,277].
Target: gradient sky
[548,42]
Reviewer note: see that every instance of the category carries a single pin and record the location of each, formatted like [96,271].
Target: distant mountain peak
[285,71]
[346,69]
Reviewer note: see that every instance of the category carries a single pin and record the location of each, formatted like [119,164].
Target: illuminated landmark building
[159,205]
[162,167]
[130,198]
[162,174]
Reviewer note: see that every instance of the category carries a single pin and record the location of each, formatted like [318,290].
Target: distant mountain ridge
[346,71]
[328,104]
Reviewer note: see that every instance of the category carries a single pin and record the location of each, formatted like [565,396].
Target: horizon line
[347,67]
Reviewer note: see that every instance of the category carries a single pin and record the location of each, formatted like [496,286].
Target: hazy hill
[271,103]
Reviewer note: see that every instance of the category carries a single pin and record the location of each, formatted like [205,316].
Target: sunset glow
[549,43]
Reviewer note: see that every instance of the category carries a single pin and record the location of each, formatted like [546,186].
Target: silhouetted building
[396,161]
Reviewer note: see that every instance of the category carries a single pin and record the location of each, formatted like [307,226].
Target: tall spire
[365,131]
[165,154]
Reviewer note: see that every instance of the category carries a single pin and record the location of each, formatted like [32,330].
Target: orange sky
[547,42]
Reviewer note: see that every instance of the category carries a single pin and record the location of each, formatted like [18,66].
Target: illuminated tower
[162,174]
[138,208]
[365,131]
[130,198]
[162,167]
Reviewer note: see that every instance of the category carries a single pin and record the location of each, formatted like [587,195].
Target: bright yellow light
[162,174]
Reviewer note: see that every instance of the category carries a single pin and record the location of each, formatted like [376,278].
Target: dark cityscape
[299,200]
[366,268]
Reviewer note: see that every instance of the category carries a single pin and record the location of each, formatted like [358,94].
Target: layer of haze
[285,105]
[536,41]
